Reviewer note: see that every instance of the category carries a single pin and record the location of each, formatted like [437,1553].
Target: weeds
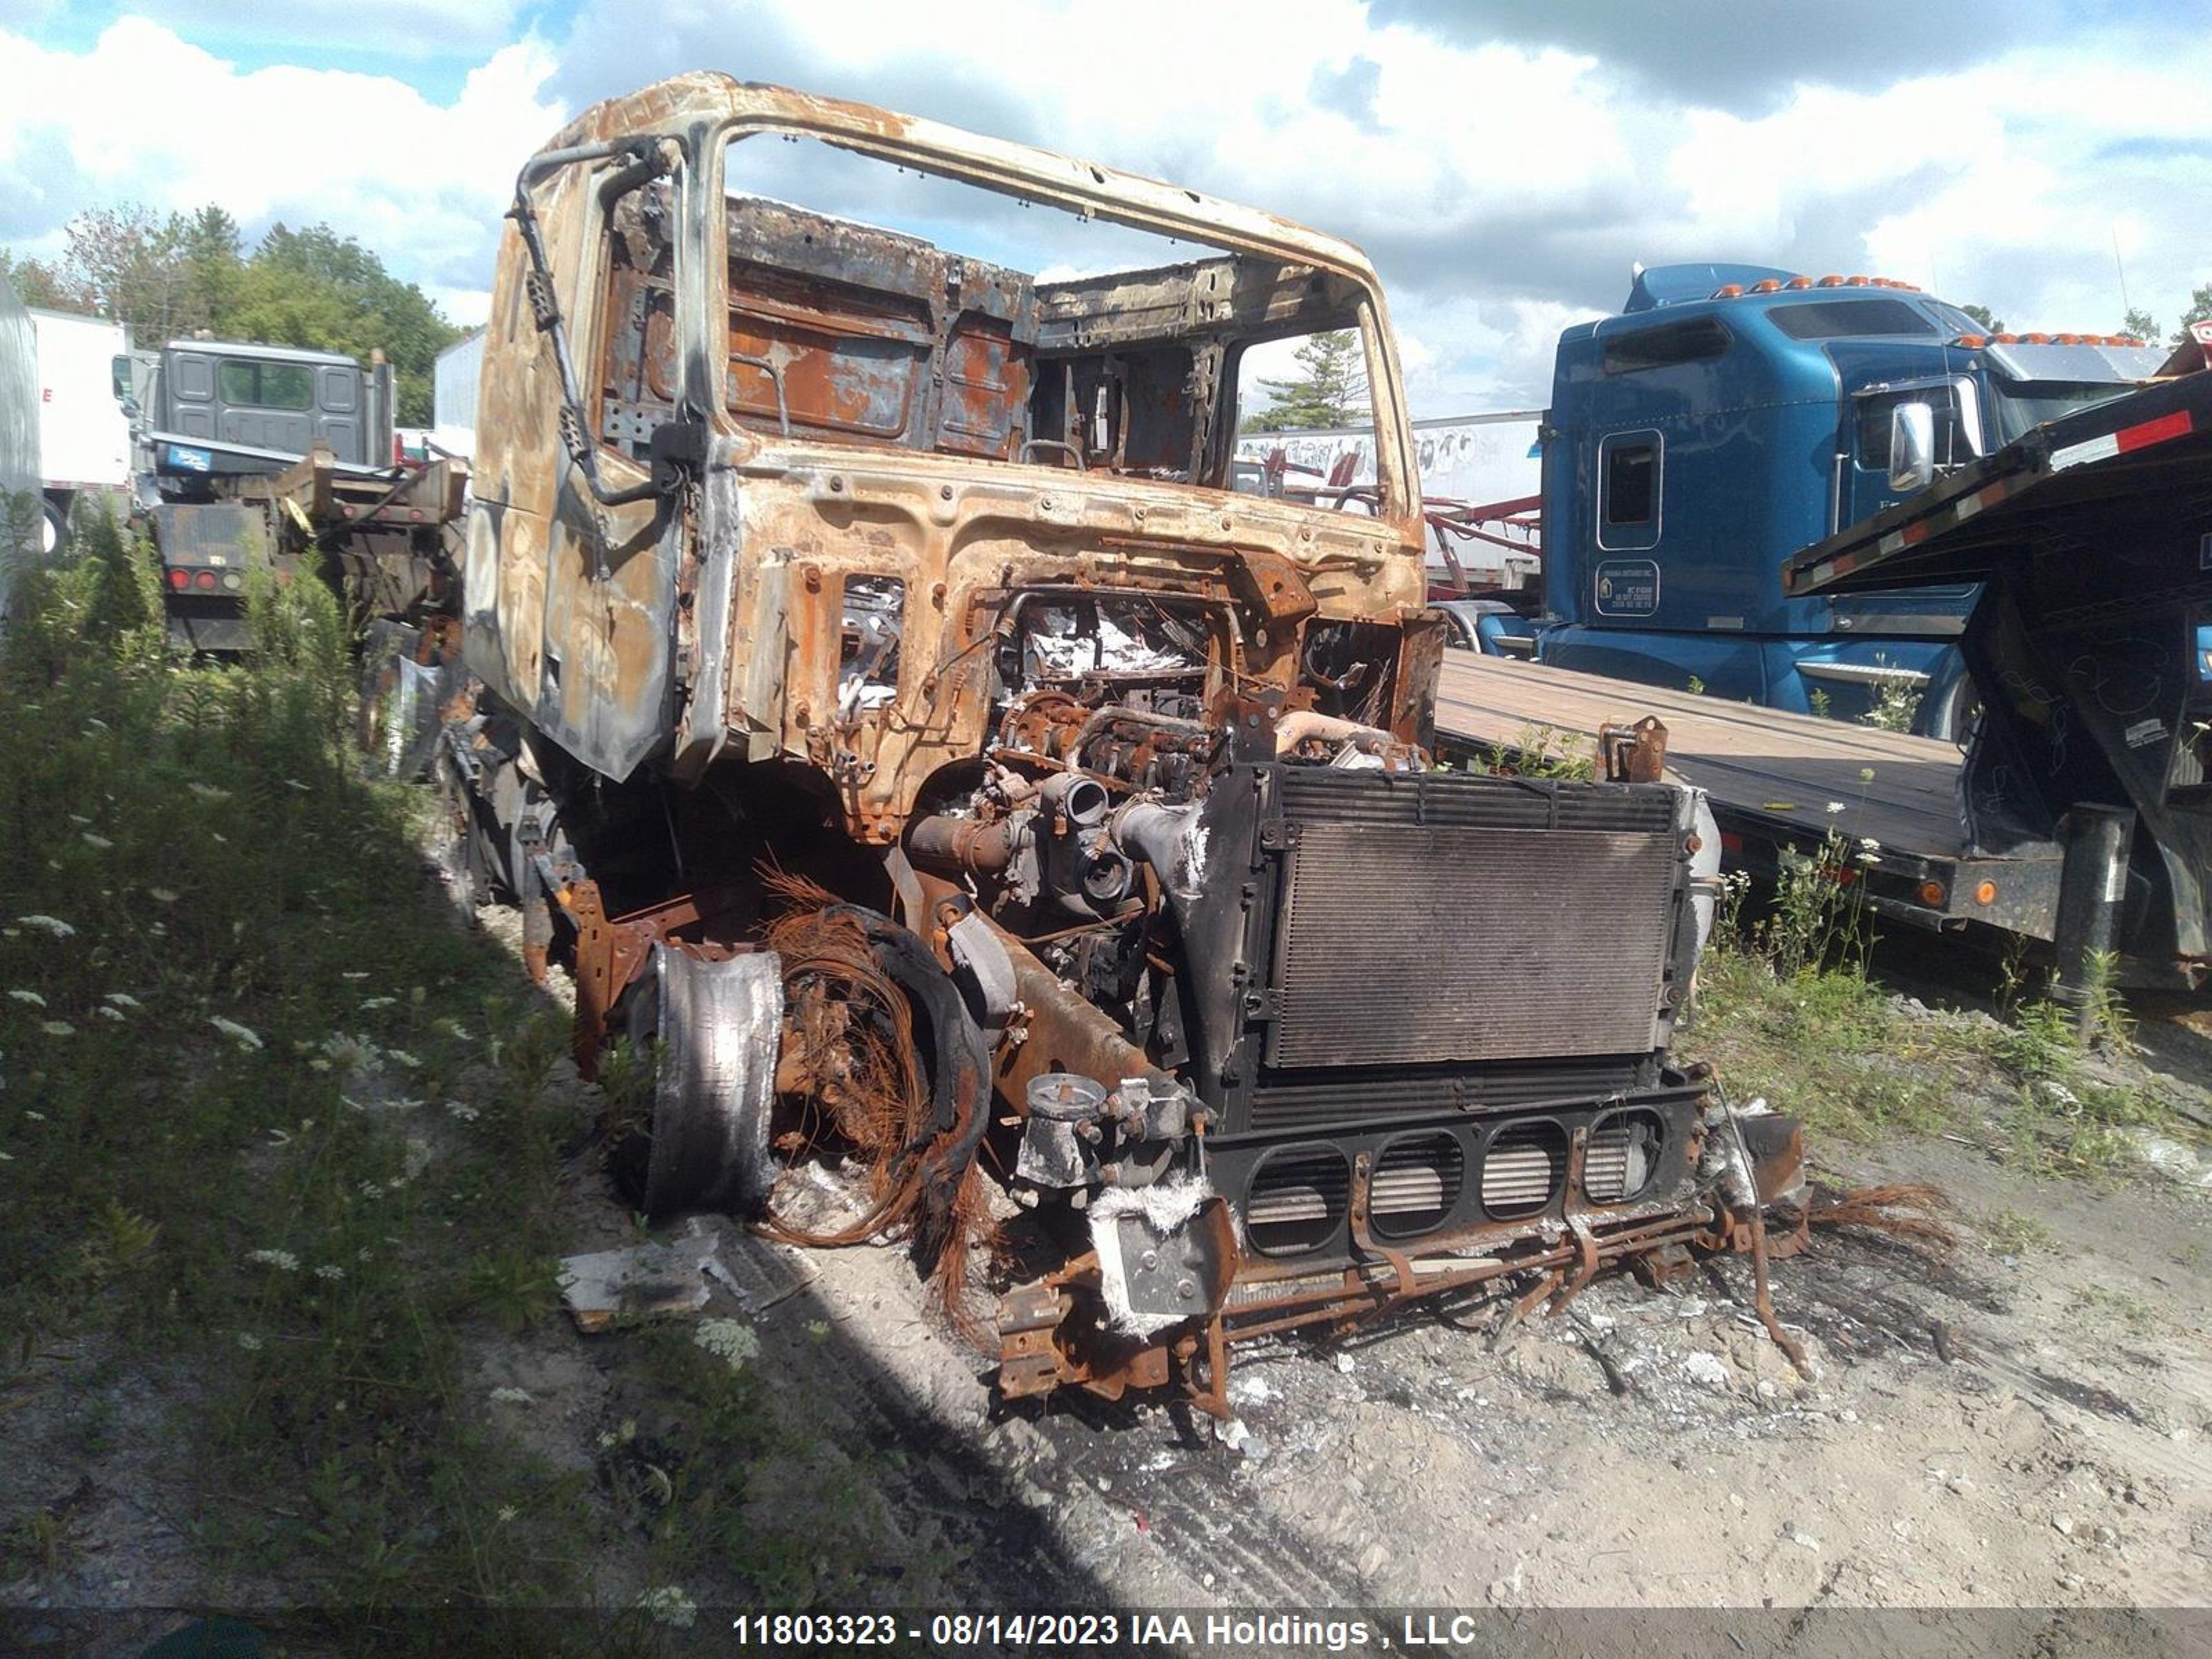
[273,1129]
[1896,701]
[2123,1306]
[2008,1232]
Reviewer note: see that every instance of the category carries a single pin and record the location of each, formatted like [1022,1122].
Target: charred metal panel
[850,331]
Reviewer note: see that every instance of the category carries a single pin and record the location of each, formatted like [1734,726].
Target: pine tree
[1332,391]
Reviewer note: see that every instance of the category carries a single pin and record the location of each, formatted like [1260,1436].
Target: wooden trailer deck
[1772,777]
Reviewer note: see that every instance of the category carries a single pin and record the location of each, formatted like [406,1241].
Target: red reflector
[2154,432]
[204,580]
[180,579]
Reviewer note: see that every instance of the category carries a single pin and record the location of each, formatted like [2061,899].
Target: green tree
[35,281]
[1331,389]
[1991,324]
[2200,307]
[2140,325]
[170,276]
[315,288]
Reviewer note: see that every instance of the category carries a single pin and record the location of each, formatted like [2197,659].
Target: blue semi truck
[1732,414]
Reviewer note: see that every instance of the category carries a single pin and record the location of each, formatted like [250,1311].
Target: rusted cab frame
[634,622]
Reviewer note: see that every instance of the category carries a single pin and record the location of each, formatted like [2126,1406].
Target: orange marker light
[1986,893]
[1932,894]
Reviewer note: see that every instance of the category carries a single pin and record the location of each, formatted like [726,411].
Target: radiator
[1470,920]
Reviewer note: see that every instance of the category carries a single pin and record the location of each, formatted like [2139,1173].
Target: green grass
[1787,1008]
[273,1129]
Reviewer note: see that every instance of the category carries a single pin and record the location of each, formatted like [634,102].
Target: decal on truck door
[1627,587]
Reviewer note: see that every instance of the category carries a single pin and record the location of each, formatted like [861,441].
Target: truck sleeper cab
[1733,415]
[928,757]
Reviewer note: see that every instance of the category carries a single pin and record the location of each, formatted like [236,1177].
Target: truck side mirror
[1911,448]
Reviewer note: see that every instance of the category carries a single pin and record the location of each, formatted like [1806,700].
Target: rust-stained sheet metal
[617,668]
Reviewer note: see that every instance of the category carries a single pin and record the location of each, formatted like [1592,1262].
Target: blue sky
[1504,161]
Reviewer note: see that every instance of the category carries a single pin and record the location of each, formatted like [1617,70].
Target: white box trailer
[453,397]
[19,434]
[84,437]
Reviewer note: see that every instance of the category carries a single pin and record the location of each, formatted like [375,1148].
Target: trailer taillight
[180,579]
[205,581]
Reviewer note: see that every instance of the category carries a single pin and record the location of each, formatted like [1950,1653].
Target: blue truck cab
[1733,415]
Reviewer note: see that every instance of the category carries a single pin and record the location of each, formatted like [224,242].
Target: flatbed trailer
[2092,647]
[1772,778]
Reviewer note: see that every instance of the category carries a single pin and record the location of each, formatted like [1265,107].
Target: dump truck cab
[920,747]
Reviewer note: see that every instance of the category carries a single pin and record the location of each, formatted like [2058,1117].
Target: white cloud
[400,28]
[422,183]
[1504,189]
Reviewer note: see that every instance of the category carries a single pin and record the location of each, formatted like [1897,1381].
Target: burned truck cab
[931,764]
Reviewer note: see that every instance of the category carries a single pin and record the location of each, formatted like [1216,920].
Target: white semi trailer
[84,436]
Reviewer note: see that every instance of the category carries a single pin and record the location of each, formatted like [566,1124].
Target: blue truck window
[1631,485]
[1841,320]
[1695,341]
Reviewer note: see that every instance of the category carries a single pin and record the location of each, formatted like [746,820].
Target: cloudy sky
[1504,161]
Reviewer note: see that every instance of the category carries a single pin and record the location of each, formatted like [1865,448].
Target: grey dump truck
[882,700]
[258,458]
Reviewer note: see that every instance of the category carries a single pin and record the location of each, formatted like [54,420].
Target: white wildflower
[54,925]
[304,788]
[7,1157]
[235,1032]
[57,1028]
[35,1116]
[345,1050]
[1834,807]
[453,1028]
[731,1341]
[460,1112]
[29,999]
[370,1189]
[507,1512]
[124,999]
[79,820]
[100,842]
[514,1396]
[318,1064]
[251,1343]
[327,1271]
[95,722]
[362,973]
[115,1014]
[161,895]
[404,1058]
[416,1157]
[1865,774]
[667,1604]
[207,791]
[283,1259]
[378,1002]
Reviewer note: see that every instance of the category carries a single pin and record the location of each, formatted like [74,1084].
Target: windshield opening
[909,311]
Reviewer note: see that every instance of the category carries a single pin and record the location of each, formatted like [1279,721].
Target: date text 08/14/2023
[1334,1633]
